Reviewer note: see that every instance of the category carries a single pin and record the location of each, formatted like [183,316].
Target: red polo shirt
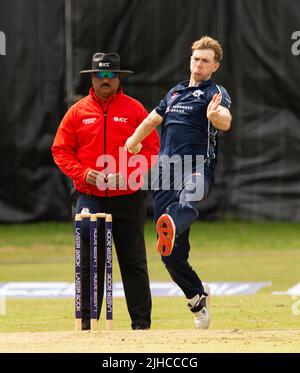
[90,137]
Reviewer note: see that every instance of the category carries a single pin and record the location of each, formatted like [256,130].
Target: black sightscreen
[258,175]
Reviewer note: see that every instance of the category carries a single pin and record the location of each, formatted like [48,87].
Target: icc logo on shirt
[122,120]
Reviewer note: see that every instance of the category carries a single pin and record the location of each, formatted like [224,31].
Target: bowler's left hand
[213,108]
[131,147]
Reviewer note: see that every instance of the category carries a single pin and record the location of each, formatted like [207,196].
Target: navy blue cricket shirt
[185,129]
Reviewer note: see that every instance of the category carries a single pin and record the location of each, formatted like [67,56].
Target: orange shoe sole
[165,229]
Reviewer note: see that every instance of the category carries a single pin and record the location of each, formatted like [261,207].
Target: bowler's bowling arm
[152,121]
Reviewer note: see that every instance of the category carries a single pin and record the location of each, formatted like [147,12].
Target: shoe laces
[199,305]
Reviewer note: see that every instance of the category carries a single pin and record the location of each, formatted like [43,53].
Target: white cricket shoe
[200,308]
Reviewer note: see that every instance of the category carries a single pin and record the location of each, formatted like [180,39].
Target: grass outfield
[221,251]
[229,312]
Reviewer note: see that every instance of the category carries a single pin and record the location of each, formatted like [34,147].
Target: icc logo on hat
[103,64]
[106,61]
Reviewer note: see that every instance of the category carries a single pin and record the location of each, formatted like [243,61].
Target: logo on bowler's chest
[198,93]
[172,98]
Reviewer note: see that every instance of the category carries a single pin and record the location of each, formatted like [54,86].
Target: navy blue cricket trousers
[184,212]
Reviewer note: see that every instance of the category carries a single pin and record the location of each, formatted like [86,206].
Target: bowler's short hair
[206,42]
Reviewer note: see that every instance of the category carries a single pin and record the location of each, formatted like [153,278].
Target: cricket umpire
[88,148]
[190,115]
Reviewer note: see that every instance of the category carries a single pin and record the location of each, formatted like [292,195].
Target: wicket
[93,270]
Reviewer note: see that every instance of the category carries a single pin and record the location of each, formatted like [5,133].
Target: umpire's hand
[103,182]
[115,181]
[96,178]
